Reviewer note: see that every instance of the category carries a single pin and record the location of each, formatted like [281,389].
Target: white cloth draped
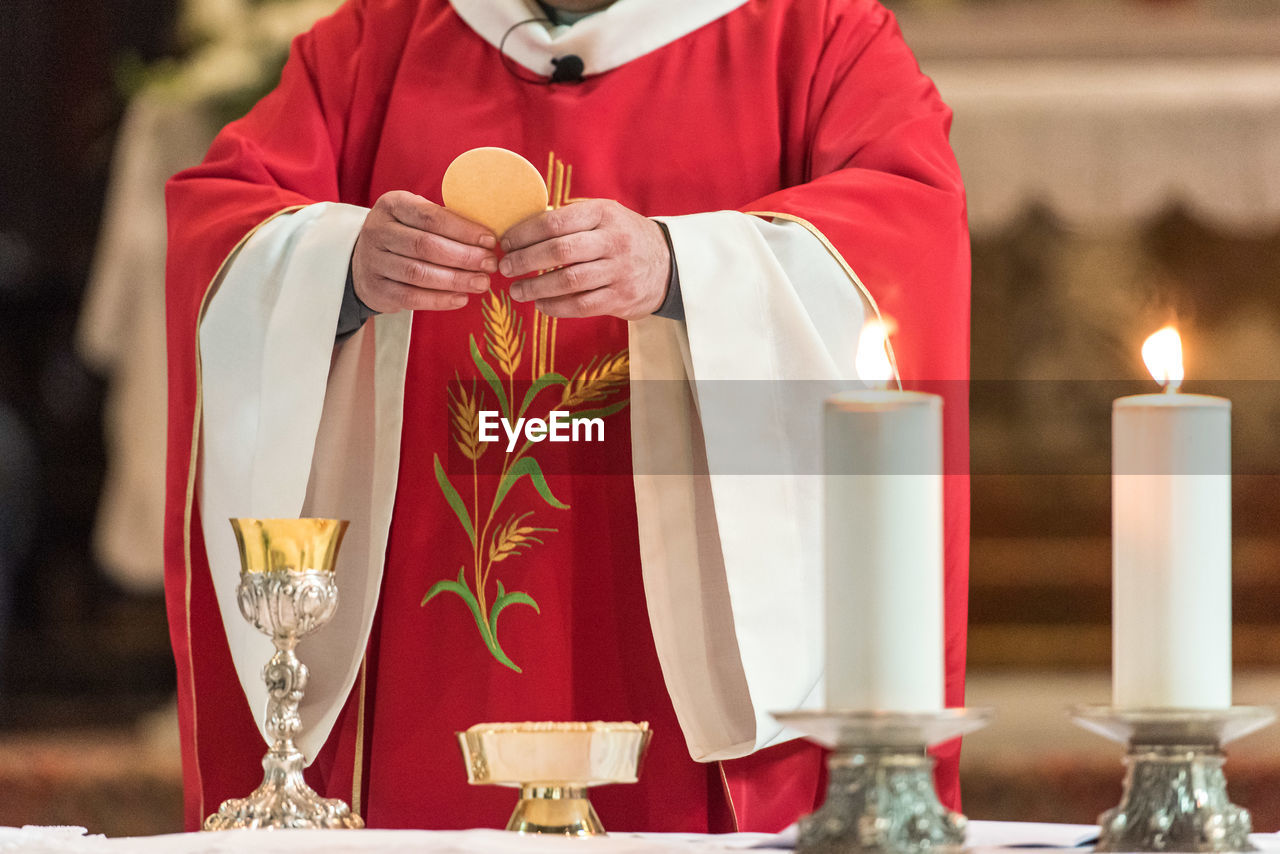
[1109,113]
[1105,143]
[276,396]
[731,553]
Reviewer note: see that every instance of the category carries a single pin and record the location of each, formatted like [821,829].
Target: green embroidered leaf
[543,382]
[501,656]
[455,501]
[486,633]
[447,586]
[602,412]
[464,592]
[527,466]
[504,599]
[491,377]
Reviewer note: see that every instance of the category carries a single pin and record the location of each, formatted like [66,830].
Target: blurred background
[1123,165]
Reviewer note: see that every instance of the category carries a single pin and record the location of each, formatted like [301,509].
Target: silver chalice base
[881,797]
[1175,794]
[283,800]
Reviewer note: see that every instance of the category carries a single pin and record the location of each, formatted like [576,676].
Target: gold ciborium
[553,764]
[287,591]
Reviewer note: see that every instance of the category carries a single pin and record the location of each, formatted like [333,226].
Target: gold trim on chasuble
[595,389]
[192,467]
[848,271]
[357,763]
[728,796]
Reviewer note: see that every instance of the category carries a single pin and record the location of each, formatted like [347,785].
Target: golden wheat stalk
[512,537]
[549,179]
[465,416]
[540,342]
[503,331]
[596,381]
[551,364]
[533,347]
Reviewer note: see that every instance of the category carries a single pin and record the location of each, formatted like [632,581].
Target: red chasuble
[512,588]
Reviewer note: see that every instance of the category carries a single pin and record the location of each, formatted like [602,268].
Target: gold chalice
[553,764]
[287,591]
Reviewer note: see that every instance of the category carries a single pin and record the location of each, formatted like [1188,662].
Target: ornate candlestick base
[881,796]
[287,590]
[1175,794]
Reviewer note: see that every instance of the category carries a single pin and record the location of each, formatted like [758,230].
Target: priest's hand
[416,255]
[600,258]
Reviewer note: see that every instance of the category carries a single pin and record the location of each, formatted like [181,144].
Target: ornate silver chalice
[287,591]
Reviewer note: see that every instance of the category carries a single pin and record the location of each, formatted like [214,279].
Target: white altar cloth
[985,837]
[1104,143]
[1106,113]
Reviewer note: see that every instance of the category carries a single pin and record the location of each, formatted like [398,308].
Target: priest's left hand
[600,258]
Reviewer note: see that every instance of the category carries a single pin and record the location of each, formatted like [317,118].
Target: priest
[735,186]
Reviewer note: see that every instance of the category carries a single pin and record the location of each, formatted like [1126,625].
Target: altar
[986,837]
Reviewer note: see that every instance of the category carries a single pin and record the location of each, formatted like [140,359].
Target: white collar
[564,16]
[605,40]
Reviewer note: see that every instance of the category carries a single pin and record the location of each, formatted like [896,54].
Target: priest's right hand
[416,255]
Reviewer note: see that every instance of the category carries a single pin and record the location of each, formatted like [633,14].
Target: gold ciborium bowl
[553,764]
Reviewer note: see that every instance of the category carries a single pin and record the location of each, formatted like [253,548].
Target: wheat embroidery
[595,390]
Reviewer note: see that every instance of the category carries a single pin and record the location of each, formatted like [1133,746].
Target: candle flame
[872,362]
[1163,354]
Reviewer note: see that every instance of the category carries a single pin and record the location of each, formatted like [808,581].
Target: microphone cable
[566,69]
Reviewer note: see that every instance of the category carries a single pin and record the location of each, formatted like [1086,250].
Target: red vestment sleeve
[883,187]
[283,154]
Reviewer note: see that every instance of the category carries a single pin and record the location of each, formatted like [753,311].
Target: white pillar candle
[884,615]
[1171,551]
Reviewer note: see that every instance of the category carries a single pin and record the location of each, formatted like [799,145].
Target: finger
[574,279]
[396,296]
[409,242]
[414,272]
[579,216]
[589,304]
[577,248]
[425,215]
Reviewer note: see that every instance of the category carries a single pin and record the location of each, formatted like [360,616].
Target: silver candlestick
[1175,794]
[881,796]
[287,591]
